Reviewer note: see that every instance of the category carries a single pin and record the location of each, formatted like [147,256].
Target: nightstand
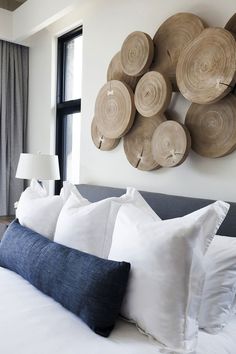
[5,220]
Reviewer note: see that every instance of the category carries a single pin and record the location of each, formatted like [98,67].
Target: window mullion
[66,125]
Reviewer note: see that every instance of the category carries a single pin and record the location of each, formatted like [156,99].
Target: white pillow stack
[167,271]
[88,227]
[219,293]
[169,295]
[38,211]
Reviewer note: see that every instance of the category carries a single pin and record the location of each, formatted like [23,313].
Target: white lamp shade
[38,166]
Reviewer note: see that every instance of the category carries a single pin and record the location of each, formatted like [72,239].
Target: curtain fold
[14,69]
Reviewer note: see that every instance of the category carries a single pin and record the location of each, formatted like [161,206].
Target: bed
[33,323]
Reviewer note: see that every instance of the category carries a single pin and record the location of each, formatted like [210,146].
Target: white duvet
[32,323]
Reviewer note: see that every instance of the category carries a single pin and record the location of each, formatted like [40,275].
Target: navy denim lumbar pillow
[90,287]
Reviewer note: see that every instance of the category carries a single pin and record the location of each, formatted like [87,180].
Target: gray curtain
[14,69]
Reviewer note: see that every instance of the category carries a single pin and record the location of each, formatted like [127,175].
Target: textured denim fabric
[90,287]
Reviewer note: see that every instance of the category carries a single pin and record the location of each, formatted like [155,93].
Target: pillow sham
[90,287]
[234,306]
[89,226]
[38,211]
[167,275]
[219,291]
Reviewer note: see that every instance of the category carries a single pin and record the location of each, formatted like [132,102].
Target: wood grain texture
[206,68]
[137,143]
[137,53]
[171,144]
[100,141]
[115,72]
[170,39]
[115,109]
[153,94]
[213,127]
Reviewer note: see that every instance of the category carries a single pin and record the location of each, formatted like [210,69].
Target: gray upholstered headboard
[165,205]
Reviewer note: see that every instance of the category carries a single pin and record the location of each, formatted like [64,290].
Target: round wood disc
[152,94]
[213,127]
[137,53]
[170,39]
[231,25]
[171,143]
[114,109]
[115,72]
[100,141]
[207,66]
[137,143]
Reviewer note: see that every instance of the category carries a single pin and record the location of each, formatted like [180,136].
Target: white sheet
[32,323]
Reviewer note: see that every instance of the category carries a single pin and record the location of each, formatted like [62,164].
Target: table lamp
[38,166]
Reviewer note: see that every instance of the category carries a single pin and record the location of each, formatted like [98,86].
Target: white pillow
[38,211]
[167,275]
[234,306]
[88,227]
[219,291]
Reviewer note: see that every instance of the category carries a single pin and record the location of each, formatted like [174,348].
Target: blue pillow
[90,287]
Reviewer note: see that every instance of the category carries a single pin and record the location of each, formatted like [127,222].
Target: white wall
[41,132]
[42,82]
[34,15]
[104,32]
[6,21]
[106,24]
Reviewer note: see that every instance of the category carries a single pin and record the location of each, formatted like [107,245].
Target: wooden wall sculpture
[171,38]
[213,127]
[171,143]
[100,141]
[183,56]
[153,94]
[137,143]
[206,68]
[114,109]
[137,53]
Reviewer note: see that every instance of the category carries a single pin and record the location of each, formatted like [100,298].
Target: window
[69,82]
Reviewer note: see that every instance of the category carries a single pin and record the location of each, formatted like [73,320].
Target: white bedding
[32,323]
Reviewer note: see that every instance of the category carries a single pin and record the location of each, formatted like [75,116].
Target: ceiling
[11,5]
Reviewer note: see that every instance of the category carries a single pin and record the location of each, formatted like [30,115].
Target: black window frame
[63,107]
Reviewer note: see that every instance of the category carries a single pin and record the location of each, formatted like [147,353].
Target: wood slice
[100,141]
[152,94]
[171,143]
[137,143]
[115,72]
[206,67]
[231,25]
[170,39]
[137,53]
[213,127]
[115,109]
